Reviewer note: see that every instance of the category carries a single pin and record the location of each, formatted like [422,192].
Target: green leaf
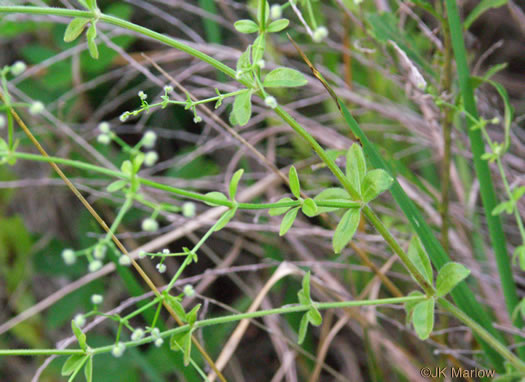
[303,300]
[284,77]
[306,286]
[88,370]
[288,220]
[246,26]
[355,166]
[266,13]
[192,314]
[331,194]
[507,206]
[244,65]
[420,259]
[374,183]
[73,363]
[187,349]
[303,327]
[314,316]
[116,185]
[280,210]
[242,107]
[81,336]
[295,186]
[75,29]
[309,207]
[127,168]
[92,45]
[423,318]
[481,8]
[518,193]
[278,25]
[225,219]
[450,275]
[258,48]
[219,196]
[519,253]
[234,182]
[91,4]
[410,305]
[346,229]
[177,307]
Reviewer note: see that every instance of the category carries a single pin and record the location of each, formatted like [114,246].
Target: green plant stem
[488,195]
[222,320]
[177,191]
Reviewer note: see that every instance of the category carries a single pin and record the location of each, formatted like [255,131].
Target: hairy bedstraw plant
[359,186]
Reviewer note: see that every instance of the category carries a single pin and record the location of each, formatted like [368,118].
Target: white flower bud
[18,68]
[36,107]
[320,34]
[80,321]
[99,252]
[143,96]
[118,349]
[69,256]
[124,260]
[155,333]
[197,119]
[188,290]
[270,102]
[151,158]
[168,88]
[104,127]
[103,139]
[124,116]
[142,255]
[2,121]
[159,342]
[149,139]
[276,12]
[261,63]
[161,268]
[95,265]
[96,299]
[188,209]
[166,251]
[137,334]
[150,225]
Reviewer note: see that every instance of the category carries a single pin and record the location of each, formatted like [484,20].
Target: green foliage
[284,77]
[423,318]
[346,229]
[450,275]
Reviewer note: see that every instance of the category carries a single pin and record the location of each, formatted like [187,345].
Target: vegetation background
[40,217]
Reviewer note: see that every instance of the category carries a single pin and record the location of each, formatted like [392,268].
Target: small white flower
[150,225]
[143,96]
[261,63]
[188,209]
[495,120]
[320,34]
[69,256]
[197,119]
[18,68]
[238,74]
[155,333]
[142,255]
[276,12]
[95,265]
[151,158]
[189,291]
[124,116]
[124,260]
[161,268]
[168,88]
[149,139]
[97,299]
[159,342]
[270,102]
[36,107]
[99,252]
[104,127]
[2,121]
[137,334]
[166,251]
[103,139]
[118,349]
[80,321]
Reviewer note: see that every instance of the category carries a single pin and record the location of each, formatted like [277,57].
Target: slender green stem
[224,320]
[488,195]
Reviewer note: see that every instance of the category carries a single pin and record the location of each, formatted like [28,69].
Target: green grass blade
[488,195]
[462,295]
